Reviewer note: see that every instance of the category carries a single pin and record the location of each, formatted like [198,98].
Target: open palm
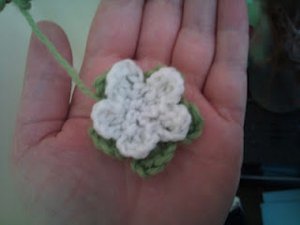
[65,180]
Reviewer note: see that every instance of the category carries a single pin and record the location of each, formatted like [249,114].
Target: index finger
[113,36]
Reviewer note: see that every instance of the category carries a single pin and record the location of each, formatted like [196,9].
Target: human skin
[65,180]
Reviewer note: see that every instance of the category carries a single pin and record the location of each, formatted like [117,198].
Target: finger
[113,36]
[194,47]
[161,22]
[46,91]
[226,84]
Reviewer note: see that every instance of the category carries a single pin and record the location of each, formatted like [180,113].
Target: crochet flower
[138,112]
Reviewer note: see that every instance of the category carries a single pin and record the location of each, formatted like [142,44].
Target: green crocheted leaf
[156,161]
[150,72]
[99,85]
[107,146]
[197,124]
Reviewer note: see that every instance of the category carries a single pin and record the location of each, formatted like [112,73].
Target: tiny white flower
[138,114]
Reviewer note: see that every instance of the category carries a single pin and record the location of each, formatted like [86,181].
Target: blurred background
[270,182]
[272,127]
[75,17]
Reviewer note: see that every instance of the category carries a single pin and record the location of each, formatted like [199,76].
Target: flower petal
[107,118]
[175,121]
[125,80]
[137,142]
[166,85]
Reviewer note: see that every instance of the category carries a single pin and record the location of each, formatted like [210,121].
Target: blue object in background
[281,207]
[282,196]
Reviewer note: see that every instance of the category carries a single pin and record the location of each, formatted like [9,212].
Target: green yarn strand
[24,5]
[59,58]
[3,4]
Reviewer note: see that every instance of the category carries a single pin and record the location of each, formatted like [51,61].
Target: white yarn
[138,114]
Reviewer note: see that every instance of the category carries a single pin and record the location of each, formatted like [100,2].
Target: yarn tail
[59,58]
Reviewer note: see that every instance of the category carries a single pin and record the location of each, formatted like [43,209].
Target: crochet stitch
[117,93]
[138,114]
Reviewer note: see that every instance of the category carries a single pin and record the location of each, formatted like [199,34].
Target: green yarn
[3,4]
[197,124]
[100,86]
[156,161]
[150,72]
[24,6]
[159,157]
[107,146]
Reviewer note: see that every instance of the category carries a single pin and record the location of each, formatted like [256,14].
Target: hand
[65,180]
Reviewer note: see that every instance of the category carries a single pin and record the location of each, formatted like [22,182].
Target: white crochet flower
[138,114]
